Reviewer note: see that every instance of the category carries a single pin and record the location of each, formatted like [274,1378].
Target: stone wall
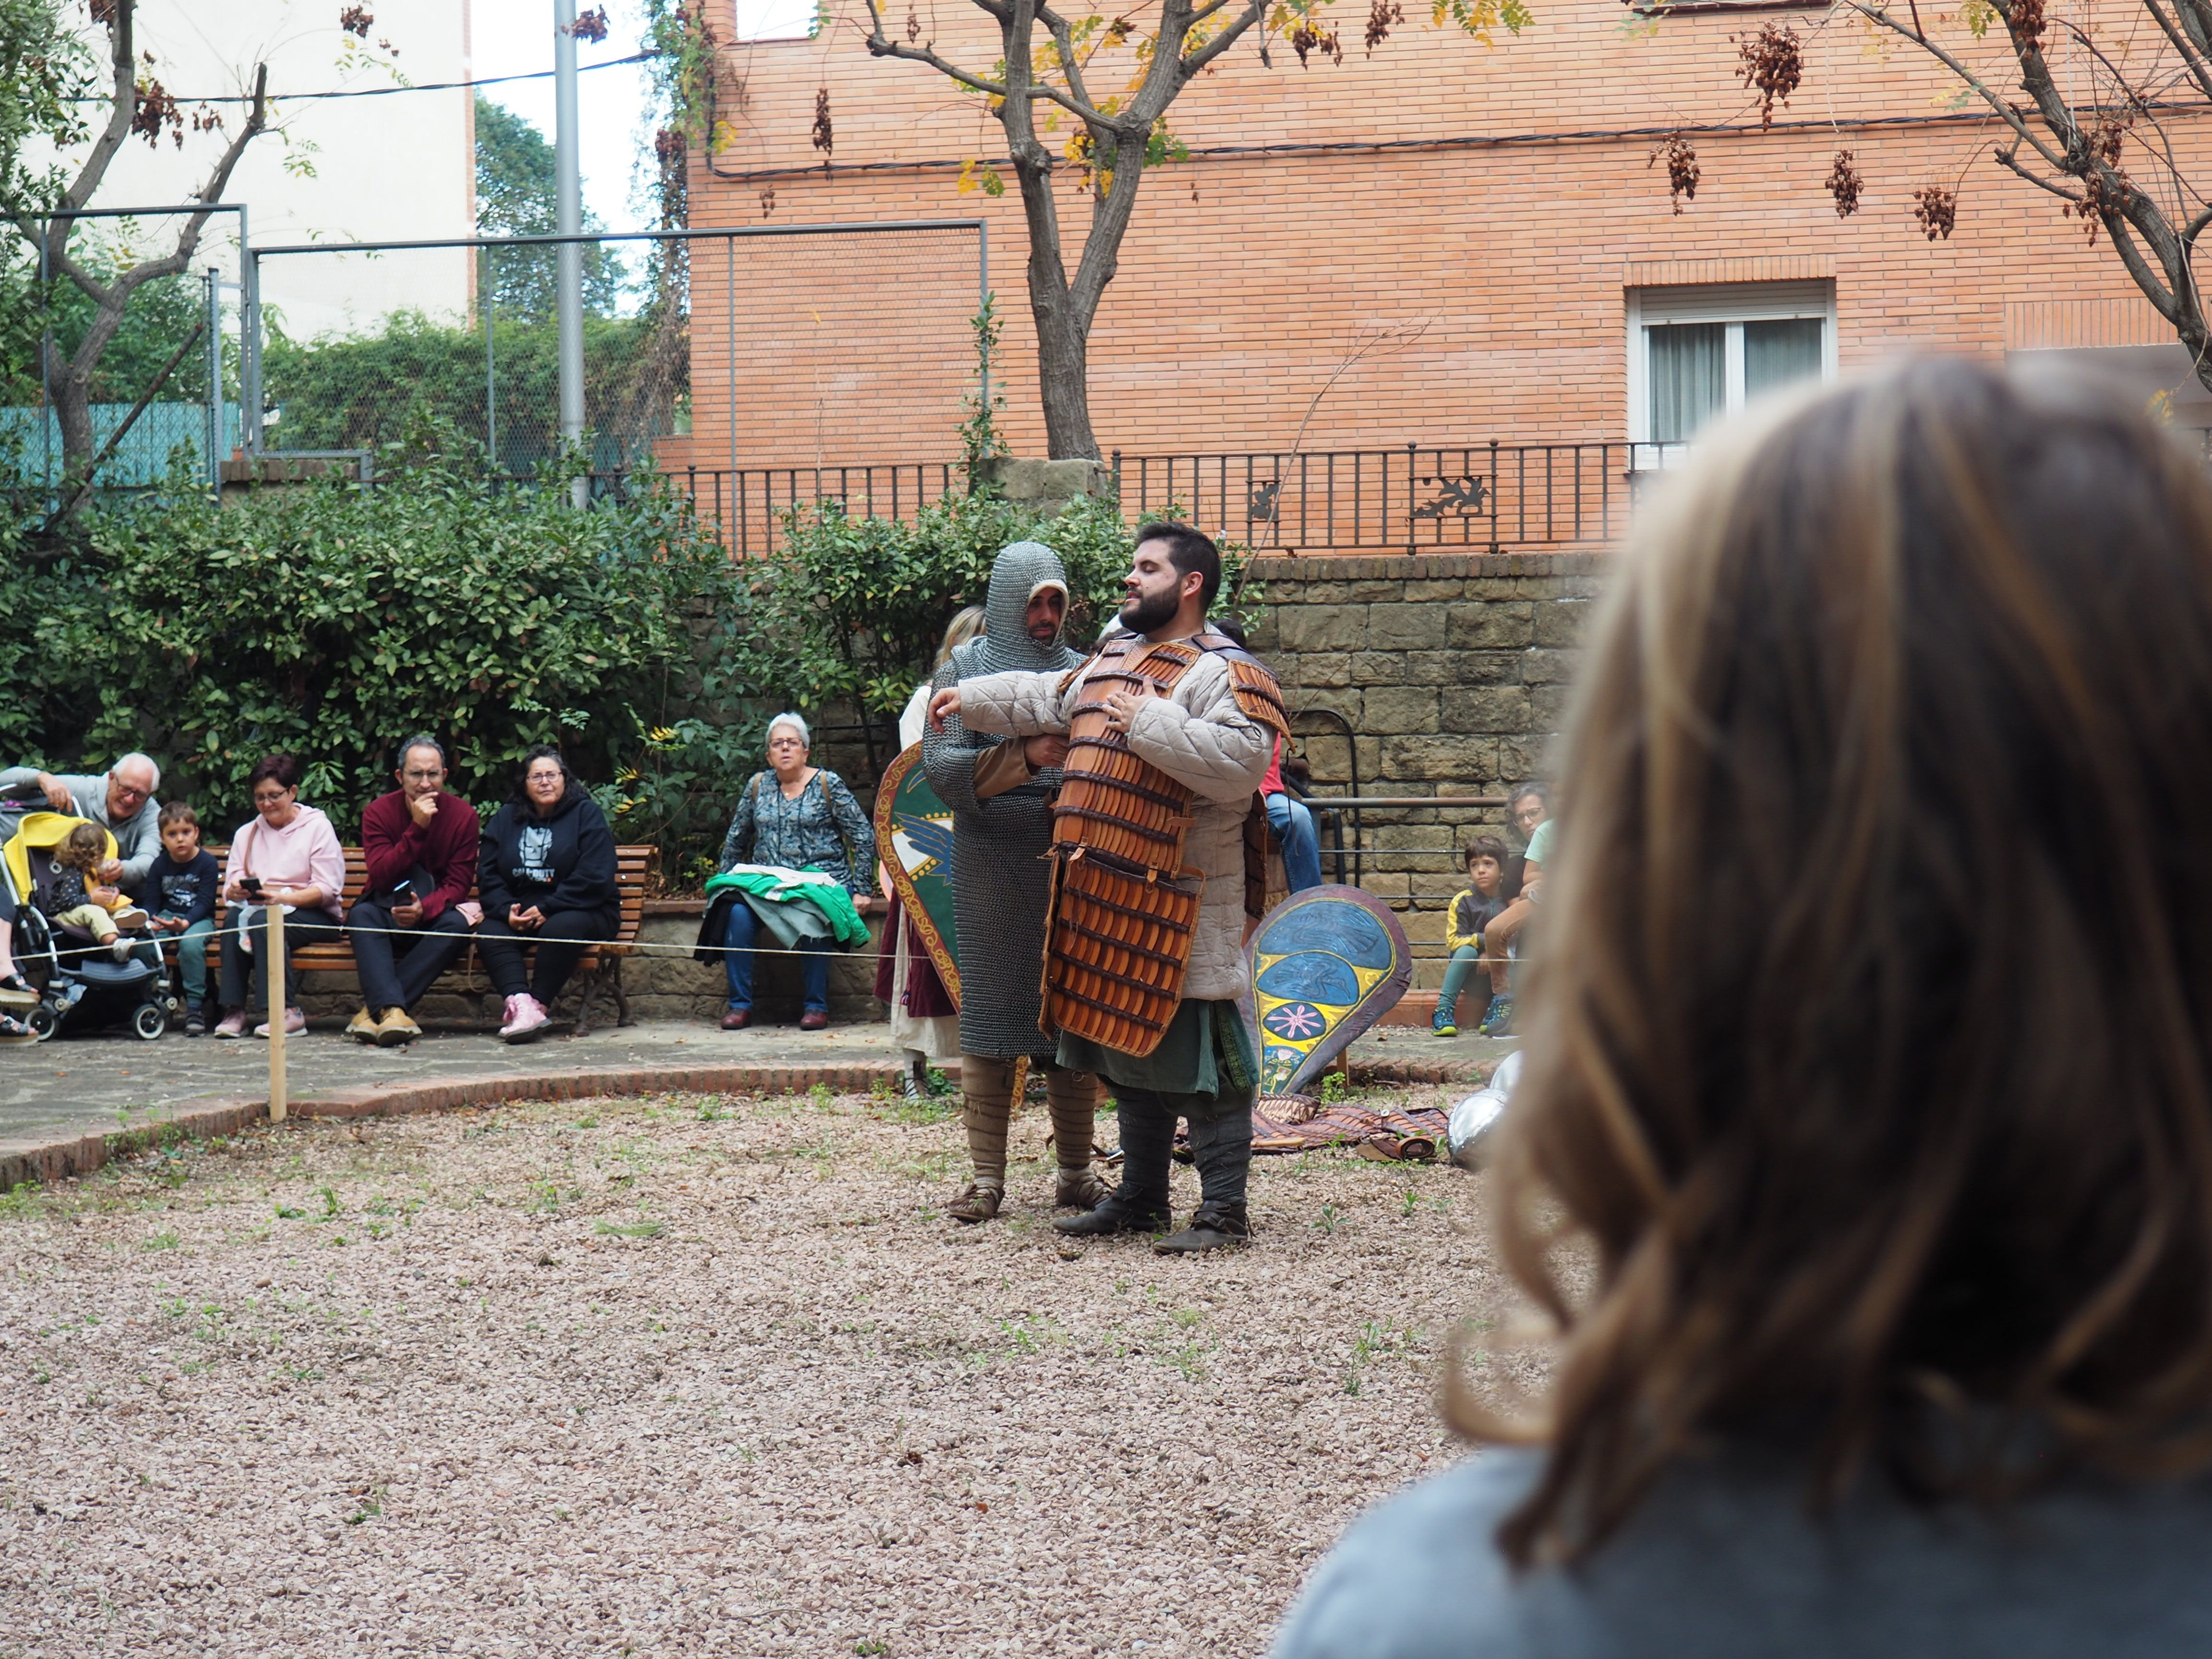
[1452,672]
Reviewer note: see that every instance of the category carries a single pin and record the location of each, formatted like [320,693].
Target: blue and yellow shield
[1327,963]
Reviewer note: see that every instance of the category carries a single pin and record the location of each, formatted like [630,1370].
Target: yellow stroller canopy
[40,832]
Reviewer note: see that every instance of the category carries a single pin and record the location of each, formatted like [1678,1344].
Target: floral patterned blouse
[823,827]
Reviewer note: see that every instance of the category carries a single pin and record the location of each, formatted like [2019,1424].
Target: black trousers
[396,969]
[1220,1144]
[502,948]
[301,928]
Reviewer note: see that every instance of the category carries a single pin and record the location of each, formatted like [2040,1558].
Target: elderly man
[1208,729]
[1000,793]
[414,915]
[120,801]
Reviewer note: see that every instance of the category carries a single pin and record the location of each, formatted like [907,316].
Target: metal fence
[162,399]
[1488,498]
[858,331]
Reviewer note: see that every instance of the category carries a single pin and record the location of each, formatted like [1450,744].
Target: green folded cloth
[795,904]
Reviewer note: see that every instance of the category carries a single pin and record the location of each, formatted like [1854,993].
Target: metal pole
[45,364]
[491,368]
[568,221]
[273,941]
[215,381]
[982,298]
[249,341]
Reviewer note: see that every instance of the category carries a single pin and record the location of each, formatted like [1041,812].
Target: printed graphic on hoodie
[535,849]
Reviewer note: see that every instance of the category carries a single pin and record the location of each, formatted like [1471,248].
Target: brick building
[1497,205]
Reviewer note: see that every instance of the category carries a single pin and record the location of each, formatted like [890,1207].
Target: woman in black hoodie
[546,871]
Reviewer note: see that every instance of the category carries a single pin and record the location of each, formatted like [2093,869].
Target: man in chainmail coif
[1000,791]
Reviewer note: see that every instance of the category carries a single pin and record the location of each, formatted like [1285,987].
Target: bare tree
[135,103]
[1118,135]
[2108,95]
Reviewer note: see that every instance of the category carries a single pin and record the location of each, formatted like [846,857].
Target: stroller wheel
[150,1021]
[43,1021]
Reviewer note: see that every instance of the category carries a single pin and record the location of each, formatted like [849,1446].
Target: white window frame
[1732,303]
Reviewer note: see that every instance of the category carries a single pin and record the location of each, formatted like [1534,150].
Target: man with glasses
[1531,808]
[120,801]
[414,915]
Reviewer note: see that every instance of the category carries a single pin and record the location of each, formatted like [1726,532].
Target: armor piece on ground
[1124,905]
[1000,886]
[1300,1124]
[1473,1126]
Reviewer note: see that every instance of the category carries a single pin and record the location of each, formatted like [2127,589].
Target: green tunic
[1204,1064]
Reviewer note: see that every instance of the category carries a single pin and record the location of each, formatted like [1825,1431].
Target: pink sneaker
[232,1024]
[295,1022]
[525,1017]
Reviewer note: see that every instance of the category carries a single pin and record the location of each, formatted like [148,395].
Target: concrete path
[78,1089]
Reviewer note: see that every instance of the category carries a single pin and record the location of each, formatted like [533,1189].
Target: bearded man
[1203,715]
[1000,793]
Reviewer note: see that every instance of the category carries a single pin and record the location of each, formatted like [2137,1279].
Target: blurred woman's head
[966,625]
[1887,1114]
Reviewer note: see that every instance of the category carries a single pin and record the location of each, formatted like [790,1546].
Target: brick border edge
[68,1156]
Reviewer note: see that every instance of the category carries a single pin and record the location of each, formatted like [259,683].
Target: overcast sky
[515,37]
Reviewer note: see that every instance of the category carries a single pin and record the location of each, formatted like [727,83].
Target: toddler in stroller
[66,915]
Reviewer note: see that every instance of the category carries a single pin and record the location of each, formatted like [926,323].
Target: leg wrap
[987,1090]
[1074,1098]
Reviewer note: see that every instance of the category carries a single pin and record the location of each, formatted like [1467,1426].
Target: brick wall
[1504,221]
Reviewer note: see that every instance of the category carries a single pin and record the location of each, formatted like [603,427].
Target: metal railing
[749,504]
[1490,497]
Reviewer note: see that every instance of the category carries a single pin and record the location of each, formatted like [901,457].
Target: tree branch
[1228,37]
[882,46]
[2004,111]
[123,107]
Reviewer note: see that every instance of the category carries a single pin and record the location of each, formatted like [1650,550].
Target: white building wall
[342,170]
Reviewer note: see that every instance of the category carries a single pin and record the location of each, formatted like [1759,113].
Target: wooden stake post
[274,967]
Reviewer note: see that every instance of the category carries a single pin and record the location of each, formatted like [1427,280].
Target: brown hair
[1485,847]
[177,811]
[1886,1107]
[82,848]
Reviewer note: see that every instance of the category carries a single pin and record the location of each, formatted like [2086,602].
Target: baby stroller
[83,982]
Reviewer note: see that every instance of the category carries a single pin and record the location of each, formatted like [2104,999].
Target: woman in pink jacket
[286,855]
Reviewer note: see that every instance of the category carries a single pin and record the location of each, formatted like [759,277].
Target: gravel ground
[681,1375]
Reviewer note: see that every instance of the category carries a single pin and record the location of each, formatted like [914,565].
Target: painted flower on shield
[1295,1022]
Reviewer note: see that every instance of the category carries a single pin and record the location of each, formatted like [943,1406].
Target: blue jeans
[1294,827]
[1464,962]
[738,935]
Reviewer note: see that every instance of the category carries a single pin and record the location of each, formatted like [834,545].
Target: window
[1698,353]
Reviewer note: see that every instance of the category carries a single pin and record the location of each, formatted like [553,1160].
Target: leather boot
[1117,1214]
[1213,1227]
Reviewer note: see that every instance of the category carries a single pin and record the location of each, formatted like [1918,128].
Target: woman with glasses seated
[545,871]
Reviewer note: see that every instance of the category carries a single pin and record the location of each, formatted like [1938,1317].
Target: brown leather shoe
[1080,1189]
[976,1203]
[736,1019]
[814,1020]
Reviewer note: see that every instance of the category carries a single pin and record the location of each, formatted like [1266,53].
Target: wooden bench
[599,971]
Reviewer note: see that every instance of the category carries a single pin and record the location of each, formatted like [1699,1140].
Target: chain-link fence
[747,346]
[103,396]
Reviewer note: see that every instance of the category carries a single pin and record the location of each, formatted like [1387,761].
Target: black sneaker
[1116,1214]
[1209,1230]
[195,1021]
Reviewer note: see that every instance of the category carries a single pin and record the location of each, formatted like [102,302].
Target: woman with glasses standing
[286,855]
[545,870]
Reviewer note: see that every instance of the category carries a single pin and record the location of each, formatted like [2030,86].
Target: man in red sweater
[420,844]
